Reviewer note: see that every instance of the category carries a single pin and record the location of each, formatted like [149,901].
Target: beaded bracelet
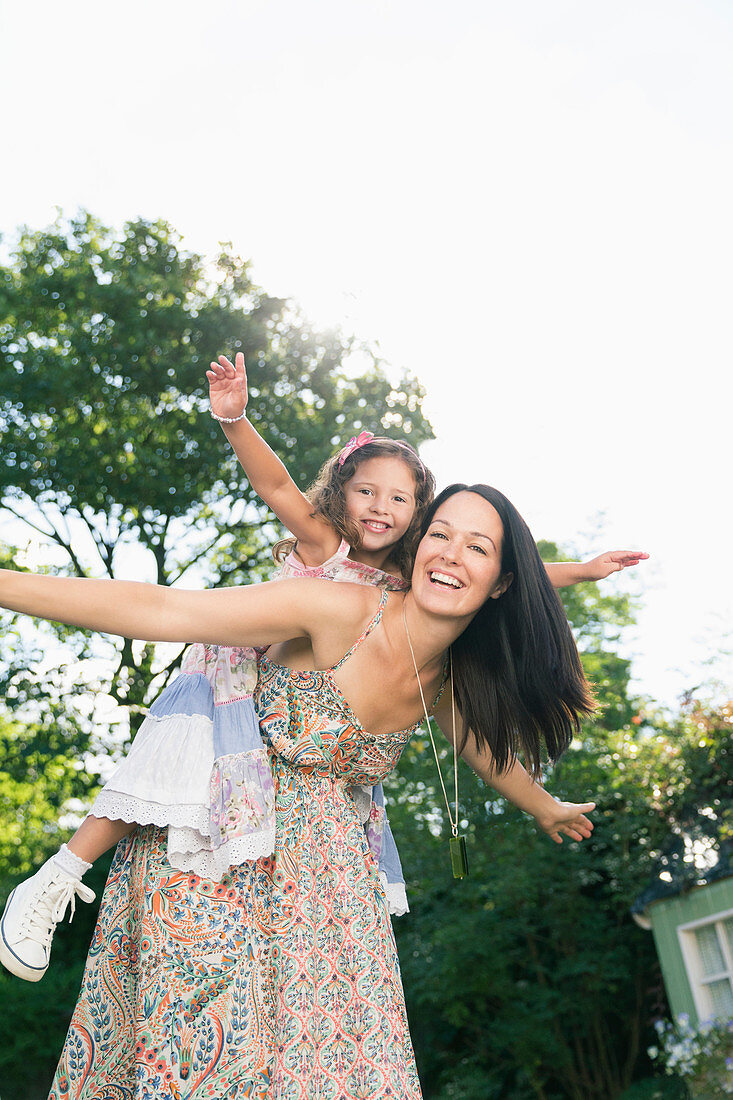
[229,419]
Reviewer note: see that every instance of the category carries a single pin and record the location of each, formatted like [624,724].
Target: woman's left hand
[568,819]
[613,561]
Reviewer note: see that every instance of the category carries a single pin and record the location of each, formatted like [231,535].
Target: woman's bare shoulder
[335,613]
[332,600]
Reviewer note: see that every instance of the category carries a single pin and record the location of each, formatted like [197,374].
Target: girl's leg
[96,835]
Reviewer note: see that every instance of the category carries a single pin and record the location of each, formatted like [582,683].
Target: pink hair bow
[354,444]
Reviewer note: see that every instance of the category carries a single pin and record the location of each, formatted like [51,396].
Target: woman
[283,980]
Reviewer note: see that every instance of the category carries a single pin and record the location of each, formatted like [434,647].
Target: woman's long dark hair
[516,670]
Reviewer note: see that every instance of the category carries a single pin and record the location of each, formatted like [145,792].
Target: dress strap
[374,621]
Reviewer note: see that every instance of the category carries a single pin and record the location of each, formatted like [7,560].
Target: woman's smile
[443,579]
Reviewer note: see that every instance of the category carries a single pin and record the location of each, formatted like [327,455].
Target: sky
[525,204]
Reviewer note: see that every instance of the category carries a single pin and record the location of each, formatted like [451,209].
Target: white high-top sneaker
[32,912]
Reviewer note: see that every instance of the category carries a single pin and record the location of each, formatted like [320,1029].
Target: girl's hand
[567,818]
[611,562]
[228,386]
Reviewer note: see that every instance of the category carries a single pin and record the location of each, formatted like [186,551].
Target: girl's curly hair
[329,500]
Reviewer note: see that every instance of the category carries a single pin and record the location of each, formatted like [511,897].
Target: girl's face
[458,562]
[380,498]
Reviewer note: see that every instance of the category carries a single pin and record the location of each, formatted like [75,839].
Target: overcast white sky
[527,204]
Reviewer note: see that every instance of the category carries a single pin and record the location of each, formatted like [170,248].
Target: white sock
[73,865]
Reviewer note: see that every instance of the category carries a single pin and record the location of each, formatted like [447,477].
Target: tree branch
[104,548]
[54,535]
[24,519]
[125,661]
[201,554]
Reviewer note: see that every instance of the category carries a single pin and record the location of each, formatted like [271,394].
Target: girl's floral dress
[281,981]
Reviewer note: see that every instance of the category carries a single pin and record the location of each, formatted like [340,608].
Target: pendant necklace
[458,856]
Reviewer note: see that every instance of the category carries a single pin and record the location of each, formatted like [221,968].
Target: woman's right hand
[228,386]
[568,818]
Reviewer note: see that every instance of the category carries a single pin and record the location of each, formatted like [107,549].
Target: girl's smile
[375,525]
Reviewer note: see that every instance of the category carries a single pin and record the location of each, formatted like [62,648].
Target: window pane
[721,997]
[728,925]
[711,957]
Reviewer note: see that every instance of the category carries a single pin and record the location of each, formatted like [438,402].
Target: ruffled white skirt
[198,766]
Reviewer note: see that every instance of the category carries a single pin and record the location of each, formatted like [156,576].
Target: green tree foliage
[598,618]
[529,979]
[526,981]
[107,446]
[41,777]
[107,443]
[38,780]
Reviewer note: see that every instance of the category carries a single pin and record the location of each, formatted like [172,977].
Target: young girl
[198,764]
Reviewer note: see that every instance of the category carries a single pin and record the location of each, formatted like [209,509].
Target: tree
[108,448]
[107,442]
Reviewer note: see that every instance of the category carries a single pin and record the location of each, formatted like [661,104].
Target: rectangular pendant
[458,857]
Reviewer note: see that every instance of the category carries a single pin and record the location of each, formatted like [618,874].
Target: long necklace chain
[453,823]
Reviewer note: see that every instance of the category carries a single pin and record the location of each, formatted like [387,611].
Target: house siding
[666,916]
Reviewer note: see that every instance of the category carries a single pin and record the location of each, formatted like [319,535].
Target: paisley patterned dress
[281,982]
[198,767]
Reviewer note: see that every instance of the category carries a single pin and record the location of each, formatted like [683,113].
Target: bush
[656,1088]
[702,1056]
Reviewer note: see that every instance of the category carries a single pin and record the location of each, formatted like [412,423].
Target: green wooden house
[688,907]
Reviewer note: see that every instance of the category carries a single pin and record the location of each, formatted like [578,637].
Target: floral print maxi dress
[281,982]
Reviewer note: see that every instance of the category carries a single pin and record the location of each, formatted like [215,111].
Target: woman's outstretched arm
[564,573]
[554,817]
[257,614]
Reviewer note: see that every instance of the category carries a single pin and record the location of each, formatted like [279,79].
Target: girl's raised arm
[251,615]
[269,478]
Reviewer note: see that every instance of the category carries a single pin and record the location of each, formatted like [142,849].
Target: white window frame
[693,965]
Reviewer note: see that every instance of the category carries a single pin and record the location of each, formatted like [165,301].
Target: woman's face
[458,562]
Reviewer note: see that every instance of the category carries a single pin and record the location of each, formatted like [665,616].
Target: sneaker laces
[49,908]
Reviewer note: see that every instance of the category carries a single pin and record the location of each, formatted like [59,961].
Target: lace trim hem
[189,851]
[116,806]
[396,895]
